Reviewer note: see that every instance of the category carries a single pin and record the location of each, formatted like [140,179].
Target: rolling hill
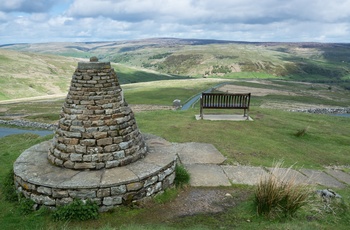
[45,68]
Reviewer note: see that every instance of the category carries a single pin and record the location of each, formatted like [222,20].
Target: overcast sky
[31,21]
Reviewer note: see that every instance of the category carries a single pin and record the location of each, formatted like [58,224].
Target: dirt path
[197,200]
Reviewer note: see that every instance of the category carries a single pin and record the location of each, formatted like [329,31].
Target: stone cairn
[96,129]
[98,152]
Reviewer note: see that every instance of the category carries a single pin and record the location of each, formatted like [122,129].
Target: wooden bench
[225,101]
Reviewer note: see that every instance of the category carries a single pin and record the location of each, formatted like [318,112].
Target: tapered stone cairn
[97,128]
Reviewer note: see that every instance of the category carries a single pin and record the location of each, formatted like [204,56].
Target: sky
[38,21]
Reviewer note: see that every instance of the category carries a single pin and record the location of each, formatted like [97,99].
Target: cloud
[245,20]
[26,6]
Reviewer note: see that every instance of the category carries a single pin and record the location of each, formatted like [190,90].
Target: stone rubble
[323,110]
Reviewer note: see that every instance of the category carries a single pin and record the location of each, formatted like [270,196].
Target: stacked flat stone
[97,129]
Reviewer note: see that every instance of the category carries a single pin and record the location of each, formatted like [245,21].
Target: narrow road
[195,98]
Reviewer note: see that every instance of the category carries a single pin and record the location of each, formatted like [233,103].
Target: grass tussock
[182,176]
[302,132]
[279,194]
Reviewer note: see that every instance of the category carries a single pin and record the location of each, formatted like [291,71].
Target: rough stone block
[134,186]
[28,186]
[72,134]
[87,158]
[64,201]
[105,141]
[117,140]
[104,128]
[77,123]
[84,165]
[58,162]
[168,181]
[73,141]
[111,148]
[166,173]
[118,155]
[118,190]
[125,145]
[80,149]
[112,200]
[58,193]
[88,142]
[76,157]
[111,164]
[100,135]
[104,192]
[68,164]
[151,181]
[82,193]
[77,129]
[41,199]
[44,190]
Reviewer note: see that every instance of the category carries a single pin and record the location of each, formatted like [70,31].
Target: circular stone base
[53,186]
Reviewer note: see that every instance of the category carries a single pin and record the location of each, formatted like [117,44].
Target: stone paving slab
[321,178]
[339,175]
[290,174]
[32,166]
[244,174]
[143,169]
[223,117]
[198,153]
[207,175]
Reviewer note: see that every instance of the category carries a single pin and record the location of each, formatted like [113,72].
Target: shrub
[77,210]
[182,176]
[278,193]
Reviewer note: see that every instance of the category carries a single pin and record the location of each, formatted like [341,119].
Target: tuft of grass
[182,176]
[301,132]
[279,193]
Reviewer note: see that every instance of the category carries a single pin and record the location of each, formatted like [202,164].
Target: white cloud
[249,20]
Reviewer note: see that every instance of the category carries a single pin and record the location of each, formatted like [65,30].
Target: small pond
[4,131]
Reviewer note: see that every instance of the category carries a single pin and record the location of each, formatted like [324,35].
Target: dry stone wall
[97,129]
[105,197]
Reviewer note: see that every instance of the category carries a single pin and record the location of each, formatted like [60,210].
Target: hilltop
[28,70]
[204,58]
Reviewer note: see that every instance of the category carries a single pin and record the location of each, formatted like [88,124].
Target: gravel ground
[198,200]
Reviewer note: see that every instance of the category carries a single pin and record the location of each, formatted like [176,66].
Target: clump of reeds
[279,193]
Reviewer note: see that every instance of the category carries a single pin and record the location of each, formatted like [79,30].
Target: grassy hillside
[313,62]
[24,74]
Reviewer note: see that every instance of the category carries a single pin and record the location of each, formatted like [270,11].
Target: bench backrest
[225,100]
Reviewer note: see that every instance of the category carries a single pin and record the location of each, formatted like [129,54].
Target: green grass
[165,92]
[271,136]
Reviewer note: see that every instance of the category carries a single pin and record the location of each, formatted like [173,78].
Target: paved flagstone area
[206,166]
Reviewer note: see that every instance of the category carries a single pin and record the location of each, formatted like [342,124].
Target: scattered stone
[328,193]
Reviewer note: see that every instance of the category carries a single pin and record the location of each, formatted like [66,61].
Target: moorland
[34,80]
